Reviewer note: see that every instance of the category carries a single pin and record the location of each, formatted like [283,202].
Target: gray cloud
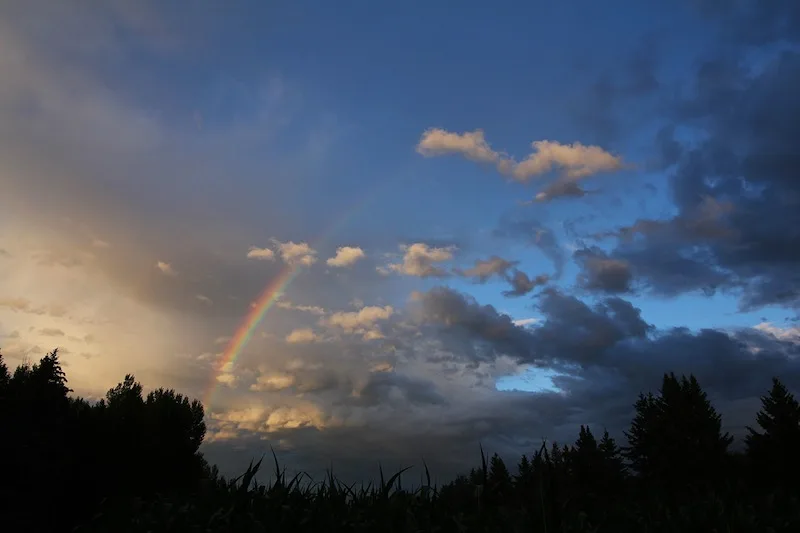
[737,200]
[521,284]
[606,354]
[601,273]
[485,269]
[384,388]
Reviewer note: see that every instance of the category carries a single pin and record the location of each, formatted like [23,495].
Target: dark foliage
[130,463]
[63,457]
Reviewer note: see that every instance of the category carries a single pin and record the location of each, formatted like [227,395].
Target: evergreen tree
[499,475]
[676,437]
[642,435]
[524,469]
[5,377]
[612,457]
[584,457]
[774,450]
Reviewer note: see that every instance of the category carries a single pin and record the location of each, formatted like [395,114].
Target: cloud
[472,145]
[205,299]
[296,253]
[789,334]
[313,309]
[601,273]
[51,332]
[419,260]
[273,382]
[362,322]
[264,254]
[270,420]
[521,284]
[302,335]
[166,268]
[387,388]
[438,379]
[576,161]
[23,305]
[17,304]
[494,333]
[736,201]
[561,189]
[227,378]
[346,256]
[484,269]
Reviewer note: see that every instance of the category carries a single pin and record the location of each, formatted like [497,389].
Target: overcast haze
[506,219]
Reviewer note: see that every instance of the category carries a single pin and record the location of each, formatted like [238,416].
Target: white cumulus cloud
[346,256]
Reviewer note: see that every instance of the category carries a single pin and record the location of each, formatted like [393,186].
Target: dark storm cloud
[607,354]
[736,190]
[737,193]
[613,339]
[467,322]
[392,388]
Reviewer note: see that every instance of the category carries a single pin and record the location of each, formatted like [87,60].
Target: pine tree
[524,468]
[676,437]
[774,451]
[642,434]
[498,472]
[612,457]
[5,377]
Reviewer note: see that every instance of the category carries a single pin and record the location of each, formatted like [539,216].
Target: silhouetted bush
[130,463]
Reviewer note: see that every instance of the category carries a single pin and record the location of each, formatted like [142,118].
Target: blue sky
[166,164]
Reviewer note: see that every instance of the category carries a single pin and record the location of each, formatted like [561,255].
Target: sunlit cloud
[421,260]
[301,336]
[166,268]
[346,256]
[264,254]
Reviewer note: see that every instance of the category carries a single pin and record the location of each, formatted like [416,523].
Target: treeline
[63,456]
[131,463]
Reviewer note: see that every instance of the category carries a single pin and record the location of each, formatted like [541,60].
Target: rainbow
[272,293]
[258,309]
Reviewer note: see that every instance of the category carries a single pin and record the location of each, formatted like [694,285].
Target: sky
[367,232]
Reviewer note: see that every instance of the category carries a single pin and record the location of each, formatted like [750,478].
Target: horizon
[375,233]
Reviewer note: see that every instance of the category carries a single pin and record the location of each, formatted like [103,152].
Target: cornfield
[299,504]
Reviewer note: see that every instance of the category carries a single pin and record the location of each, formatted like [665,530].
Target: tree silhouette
[132,462]
[613,462]
[4,375]
[524,469]
[676,438]
[75,454]
[774,451]
[499,475]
